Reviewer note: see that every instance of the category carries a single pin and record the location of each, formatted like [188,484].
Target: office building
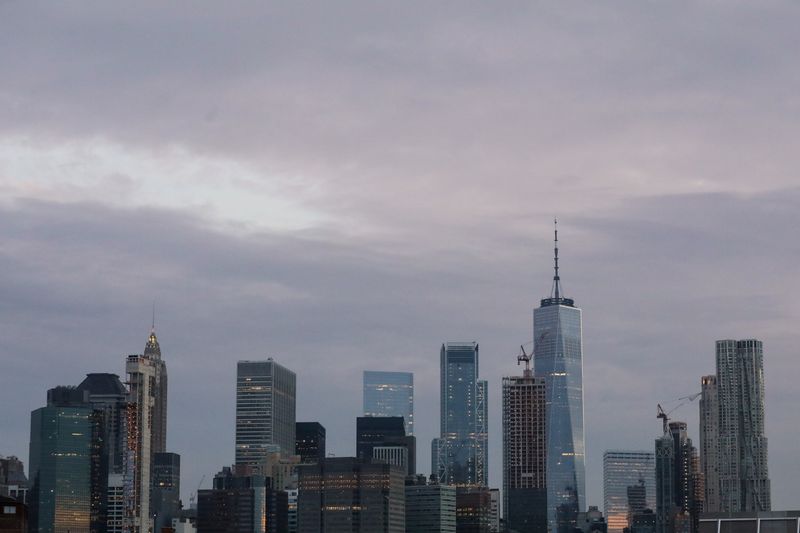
[643,522]
[165,500]
[494,511]
[241,503]
[13,482]
[346,494]
[591,521]
[265,411]
[13,515]
[460,453]
[310,442]
[390,394]
[732,430]
[679,498]
[558,358]
[146,424]
[430,508]
[524,451]
[115,510]
[61,463]
[473,509]
[291,498]
[627,473]
[384,438]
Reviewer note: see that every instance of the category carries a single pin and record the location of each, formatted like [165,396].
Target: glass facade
[558,358]
[390,394]
[627,473]
[461,449]
[265,411]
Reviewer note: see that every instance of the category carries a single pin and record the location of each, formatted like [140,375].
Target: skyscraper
[460,451]
[390,394]
[384,438]
[147,425]
[430,508]
[265,411]
[732,425]
[61,463]
[165,500]
[558,358]
[310,442]
[524,452]
[627,473]
[679,500]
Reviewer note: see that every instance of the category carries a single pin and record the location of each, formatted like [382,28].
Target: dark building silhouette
[13,515]
[678,482]
[13,482]
[384,438]
[473,507]
[165,495]
[241,504]
[430,507]
[347,494]
[310,442]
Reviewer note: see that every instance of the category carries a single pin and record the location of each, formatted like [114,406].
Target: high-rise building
[146,428]
[346,494]
[241,503]
[310,442]
[732,429]
[115,513]
[459,454]
[292,509]
[390,394]
[384,438]
[473,509]
[430,508]
[61,463]
[265,411]
[627,473]
[165,496]
[678,478]
[494,511]
[524,452]
[558,358]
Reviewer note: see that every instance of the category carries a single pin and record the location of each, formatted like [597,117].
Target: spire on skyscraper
[556,291]
[152,348]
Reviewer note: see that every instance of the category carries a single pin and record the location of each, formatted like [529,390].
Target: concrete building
[459,455]
[13,482]
[627,472]
[732,430]
[751,522]
[13,515]
[430,508]
[265,411]
[346,494]
[390,394]
[115,504]
[524,451]
[291,497]
[558,358]
[147,423]
[591,520]
[310,442]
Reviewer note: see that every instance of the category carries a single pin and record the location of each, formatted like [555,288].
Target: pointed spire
[152,348]
[556,293]
[153,327]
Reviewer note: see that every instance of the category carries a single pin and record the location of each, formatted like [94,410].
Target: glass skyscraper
[624,470]
[390,394]
[460,454]
[265,411]
[558,358]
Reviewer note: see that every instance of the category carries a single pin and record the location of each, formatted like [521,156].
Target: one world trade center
[558,357]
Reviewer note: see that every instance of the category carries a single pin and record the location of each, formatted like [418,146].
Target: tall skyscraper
[430,508]
[627,473]
[390,394]
[679,499]
[732,429]
[61,463]
[348,494]
[265,411]
[558,358]
[310,442]
[165,500]
[147,426]
[524,452]
[460,451]
[384,438]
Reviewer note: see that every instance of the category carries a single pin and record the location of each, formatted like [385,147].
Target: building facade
[679,488]
[524,453]
[558,358]
[473,509]
[165,496]
[346,494]
[460,453]
[310,442]
[733,434]
[13,482]
[384,438]
[390,394]
[265,411]
[629,486]
[430,508]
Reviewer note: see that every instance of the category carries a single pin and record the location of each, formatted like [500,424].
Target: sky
[343,186]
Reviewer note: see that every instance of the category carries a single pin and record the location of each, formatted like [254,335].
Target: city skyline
[344,196]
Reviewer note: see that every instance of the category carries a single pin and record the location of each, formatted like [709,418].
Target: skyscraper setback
[460,453]
[732,429]
[558,358]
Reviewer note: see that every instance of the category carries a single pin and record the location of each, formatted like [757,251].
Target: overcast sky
[344,186]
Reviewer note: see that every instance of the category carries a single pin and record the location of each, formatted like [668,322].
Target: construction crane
[193,496]
[525,358]
[664,416]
